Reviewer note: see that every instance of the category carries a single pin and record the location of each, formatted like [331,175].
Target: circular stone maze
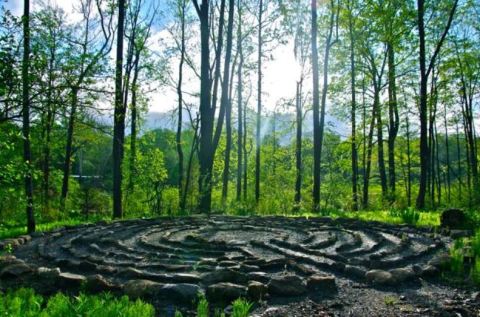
[291,266]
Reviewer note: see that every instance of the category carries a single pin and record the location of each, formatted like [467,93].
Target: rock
[48,274]
[141,288]
[223,275]
[15,270]
[453,219]
[379,277]
[287,285]
[441,260]
[259,277]
[97,283]
[402,274]
[6,260]
[322,283]
[354,271]
[183,292]
[256,290]
[455,234]
[71,281]
[225,292]
[429,271]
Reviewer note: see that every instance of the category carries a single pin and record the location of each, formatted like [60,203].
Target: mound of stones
[223,257]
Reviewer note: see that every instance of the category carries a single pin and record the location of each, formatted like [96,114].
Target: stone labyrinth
[224,257]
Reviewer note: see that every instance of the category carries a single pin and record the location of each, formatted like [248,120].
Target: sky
[279,80]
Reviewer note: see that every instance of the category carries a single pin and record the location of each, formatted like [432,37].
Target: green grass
[465,260]
[26,303]
[397,217]
[241,308]
[7,231]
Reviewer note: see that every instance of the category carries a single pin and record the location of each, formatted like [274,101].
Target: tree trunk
[119,117]
[316,111]
[206,121]
[69,147]
[178,138]
[353,118]
[447,148]
[409,165]
[27,155]
[366,179]
[226,101]
[298,145]
[239,105]
[393,119]
[259,103]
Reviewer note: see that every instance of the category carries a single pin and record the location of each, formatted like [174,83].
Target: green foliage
[25,303]
[407,215]
[241,308]
[202,307]
[465,258]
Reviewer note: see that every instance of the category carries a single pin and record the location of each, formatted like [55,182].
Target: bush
[241,308]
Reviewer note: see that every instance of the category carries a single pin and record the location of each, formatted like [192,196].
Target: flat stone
[97,283]
[430,271]
[71,281]
[225,292]
[379,277]
[259,276]
[354,271]
[402,274]
[141,288]
[223,275]
[287,285]
[256,290]
[15,270]
[182,292]
[322,283]
[48,274]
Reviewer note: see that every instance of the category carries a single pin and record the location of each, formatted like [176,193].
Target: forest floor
[289,266]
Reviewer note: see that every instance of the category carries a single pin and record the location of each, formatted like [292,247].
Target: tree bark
[27,155]
[239,105]
[259,103]
[178,137]
[119,117]
[393,120]
[316,111]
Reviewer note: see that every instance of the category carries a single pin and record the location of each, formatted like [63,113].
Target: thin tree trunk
[447,148]
[316,111]
[119,117]
[27,155]
[366,179]
[178,138]
[298,145]
[409,164]
[259,103]
[239,105]
[353,118]
[393,119]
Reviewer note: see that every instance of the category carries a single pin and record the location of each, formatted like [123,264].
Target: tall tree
[119,117]
[316,109]
[259,102]
[423,109]
[240,127]
[27,154]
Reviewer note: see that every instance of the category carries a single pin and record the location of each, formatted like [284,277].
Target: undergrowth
[465,259]
[25,302]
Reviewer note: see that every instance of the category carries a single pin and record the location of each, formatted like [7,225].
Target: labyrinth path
[225,257]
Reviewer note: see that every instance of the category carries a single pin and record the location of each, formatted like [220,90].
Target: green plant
[390,300]
[178,314]
[241,308]
[202,306]
[8,248]
[24,302]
